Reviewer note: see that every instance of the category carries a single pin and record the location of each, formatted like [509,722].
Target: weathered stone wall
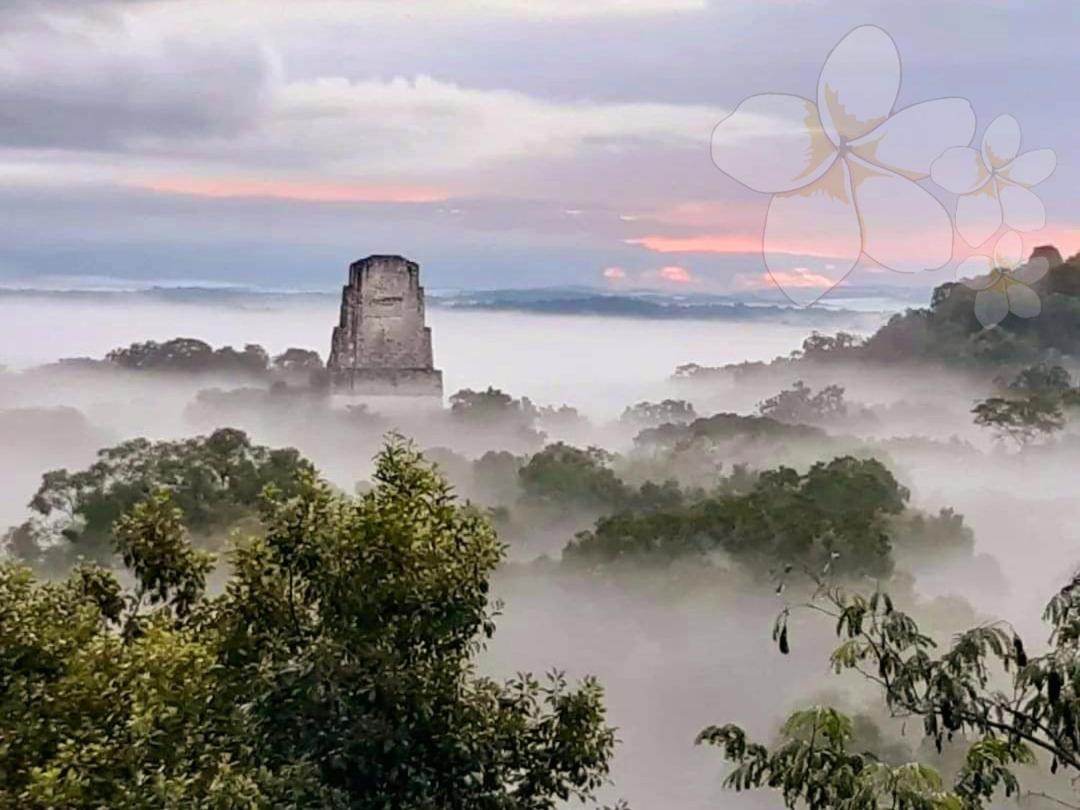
[381,343]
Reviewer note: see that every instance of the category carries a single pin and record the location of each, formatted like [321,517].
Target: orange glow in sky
[299,190]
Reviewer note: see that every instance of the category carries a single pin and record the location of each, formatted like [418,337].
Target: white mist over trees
[638,529]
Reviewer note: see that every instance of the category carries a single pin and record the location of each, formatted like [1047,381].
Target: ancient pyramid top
[388,258]
[381,344]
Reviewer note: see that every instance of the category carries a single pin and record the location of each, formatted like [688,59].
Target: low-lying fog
[674,654]
[597,364]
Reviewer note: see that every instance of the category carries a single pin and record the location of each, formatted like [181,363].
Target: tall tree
[337,669]
[1022,420]
[216,480]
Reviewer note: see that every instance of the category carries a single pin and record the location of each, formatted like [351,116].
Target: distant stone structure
[381,345]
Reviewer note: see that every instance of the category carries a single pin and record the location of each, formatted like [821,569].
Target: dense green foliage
[496,412]
[947,332]
[835,515]
[1043,379]
[724,446]
[564,476]
[723,427]
[819,346]
[216,480]
[1022,420]
[190,355]
[813,765]
[984,687]
[800,405]
[335,670]
[1034,404]
[193,356]
[298,361]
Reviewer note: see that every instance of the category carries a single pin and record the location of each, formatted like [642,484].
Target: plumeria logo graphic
[994,182]
[845,171]
[1003,282]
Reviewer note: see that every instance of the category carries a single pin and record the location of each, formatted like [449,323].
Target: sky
[500,143]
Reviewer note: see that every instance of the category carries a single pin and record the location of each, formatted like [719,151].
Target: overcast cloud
[501,142]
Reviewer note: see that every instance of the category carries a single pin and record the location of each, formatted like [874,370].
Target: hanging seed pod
[1018,651]
[949,718]
[1054,682]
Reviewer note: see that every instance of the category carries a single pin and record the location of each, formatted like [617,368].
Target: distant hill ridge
[948,331]
[584,301]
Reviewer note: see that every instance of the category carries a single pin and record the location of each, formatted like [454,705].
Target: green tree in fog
[190,355]
[565,476]
[1043,379]
[298,360]
[216,480]
[837,514]
[799,404]
[1022,420]
[496,413]
[336,669]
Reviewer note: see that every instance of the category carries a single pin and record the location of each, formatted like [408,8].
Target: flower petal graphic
[1031,168]
[1021,208]
[772,143]
[1035,269]
[904,227]
[1023,300]
[978,215]
[858,84]
[977,272]
[959,170]
[1001,141]
[1008,250]
[818,220]
[910,140]
[991,307]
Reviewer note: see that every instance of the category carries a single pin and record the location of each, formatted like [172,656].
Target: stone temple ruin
[381,346]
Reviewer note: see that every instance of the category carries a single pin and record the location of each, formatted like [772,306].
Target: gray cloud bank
[509,142]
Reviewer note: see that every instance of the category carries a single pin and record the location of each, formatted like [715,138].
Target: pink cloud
[299,190]
[732,243]
[676,274]
[800,277]
[727,243]
[896,242]
[614,273]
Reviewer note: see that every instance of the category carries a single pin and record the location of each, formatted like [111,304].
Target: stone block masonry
[382,346]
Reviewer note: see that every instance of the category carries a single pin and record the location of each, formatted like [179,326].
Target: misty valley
[539,404]
[639,562]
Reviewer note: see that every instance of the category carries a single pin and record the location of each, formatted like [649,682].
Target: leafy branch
[956,691]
